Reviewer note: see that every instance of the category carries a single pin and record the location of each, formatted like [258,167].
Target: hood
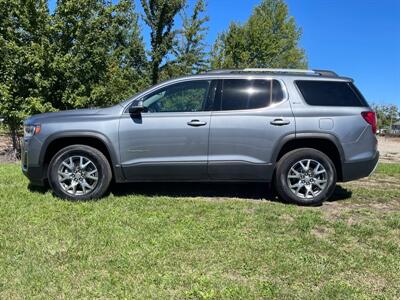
[39,118]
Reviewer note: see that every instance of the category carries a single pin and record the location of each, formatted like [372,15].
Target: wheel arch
[324,142]
[93,139]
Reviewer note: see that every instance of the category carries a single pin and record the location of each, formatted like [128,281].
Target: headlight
[31,130]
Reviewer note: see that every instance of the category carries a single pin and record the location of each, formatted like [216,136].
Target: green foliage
[99,55]
[159,16]
[189,48]
[89,53]
[268,39]
[25,83]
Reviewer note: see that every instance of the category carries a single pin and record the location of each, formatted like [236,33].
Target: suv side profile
[303,130]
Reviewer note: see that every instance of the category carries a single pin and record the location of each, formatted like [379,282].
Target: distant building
[395,128]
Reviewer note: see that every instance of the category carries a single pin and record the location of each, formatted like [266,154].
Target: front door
[169,140]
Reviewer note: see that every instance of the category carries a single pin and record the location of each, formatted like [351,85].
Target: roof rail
[223,71]
[326,73]
[268,70]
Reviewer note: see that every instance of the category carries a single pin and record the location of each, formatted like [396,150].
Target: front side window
[238,94]
[189,96]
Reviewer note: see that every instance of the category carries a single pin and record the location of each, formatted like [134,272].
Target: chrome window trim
[210,78]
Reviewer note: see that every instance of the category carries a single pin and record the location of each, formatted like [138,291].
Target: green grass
[170,246]
[389,169]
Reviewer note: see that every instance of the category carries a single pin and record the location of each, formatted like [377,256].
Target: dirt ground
[389,149]
[6,153]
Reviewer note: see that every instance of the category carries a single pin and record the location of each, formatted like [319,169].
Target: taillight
[370,118]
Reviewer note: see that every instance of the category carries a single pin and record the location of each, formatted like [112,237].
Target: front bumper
[35,173]
[360,169]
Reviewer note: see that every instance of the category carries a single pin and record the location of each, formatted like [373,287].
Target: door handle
[280,122]
[196,123]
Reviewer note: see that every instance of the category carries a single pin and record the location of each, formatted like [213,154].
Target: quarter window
[187,96]
[330,93]
[240,94]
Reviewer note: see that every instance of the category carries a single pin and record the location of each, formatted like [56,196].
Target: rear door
[250,117]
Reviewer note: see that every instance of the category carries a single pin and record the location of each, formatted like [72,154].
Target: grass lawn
[200,242]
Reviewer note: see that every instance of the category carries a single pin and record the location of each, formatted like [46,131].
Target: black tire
[288,161]
[104,173]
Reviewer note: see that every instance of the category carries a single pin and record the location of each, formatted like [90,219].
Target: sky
[354,38]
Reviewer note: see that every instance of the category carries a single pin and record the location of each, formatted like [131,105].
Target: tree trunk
[154,72]
[15,141]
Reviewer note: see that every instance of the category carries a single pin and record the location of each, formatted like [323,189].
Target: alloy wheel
[307,178]
[78,175]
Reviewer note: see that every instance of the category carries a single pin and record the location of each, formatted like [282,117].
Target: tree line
[387,115]
[89,53]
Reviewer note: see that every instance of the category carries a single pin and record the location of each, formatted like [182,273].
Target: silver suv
[303,130]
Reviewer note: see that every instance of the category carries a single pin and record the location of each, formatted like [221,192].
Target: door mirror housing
[136,107]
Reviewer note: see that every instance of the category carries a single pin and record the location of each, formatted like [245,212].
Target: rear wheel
[305,176]
[79,172]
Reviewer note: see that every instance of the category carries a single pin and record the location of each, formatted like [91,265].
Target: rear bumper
[360,169]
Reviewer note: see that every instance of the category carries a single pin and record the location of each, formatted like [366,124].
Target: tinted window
[249,94]
[330,93]
[277,92]
[180,97]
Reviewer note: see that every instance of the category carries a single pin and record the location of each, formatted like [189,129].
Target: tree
[99,53]
[269,39]
[159,16]
[25,79]
[189,50]
[88,53]
[387,115]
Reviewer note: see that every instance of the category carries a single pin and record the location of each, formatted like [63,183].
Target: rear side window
[330,93]
[249,94]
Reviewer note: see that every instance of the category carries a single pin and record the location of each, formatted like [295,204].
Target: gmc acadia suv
[303,130]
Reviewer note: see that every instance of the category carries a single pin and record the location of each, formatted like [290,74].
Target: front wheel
[79,172]
[305,176]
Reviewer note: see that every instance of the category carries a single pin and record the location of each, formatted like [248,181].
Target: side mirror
[136,107]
